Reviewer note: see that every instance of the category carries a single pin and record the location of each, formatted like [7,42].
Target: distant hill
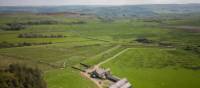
[111,11]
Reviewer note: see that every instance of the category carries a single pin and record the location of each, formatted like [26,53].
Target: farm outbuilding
[112,78]
[116,81]
[123,83]
[99,73]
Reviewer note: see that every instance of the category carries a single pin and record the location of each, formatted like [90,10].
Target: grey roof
[123,83]
[100,71]
[127,85]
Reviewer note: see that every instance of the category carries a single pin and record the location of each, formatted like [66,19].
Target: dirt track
[96,81]
[107,60]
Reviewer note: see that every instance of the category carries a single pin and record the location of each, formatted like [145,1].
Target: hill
[111,11]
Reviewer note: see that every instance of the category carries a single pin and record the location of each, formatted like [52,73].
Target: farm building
[112,78]
[123,83]
[99,73]
[105,74]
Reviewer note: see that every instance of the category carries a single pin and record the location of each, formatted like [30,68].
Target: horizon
[91,2]
[93,5]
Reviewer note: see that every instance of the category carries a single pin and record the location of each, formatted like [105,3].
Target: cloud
[91,2]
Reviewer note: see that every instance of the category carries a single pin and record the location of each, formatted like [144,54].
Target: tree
[21,76]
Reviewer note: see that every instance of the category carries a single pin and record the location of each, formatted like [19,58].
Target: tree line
[15,26]
[5,44]
[33,35]
[21,76]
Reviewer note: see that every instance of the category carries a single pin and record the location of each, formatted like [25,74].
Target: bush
[5,44]
[144,40]
[195,49]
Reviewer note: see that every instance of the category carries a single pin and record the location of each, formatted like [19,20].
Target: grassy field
[95,41]
[67,79]
[157,68]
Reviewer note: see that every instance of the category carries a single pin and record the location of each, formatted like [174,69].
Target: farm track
[111,58]
[107,51]
[93,80]
[97,82]
[88,37]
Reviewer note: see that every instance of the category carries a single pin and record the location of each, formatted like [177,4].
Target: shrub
[144,40]
[195,49]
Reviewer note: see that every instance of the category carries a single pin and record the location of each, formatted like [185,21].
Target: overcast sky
[90,2]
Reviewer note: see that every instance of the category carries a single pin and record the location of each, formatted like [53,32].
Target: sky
[90,2]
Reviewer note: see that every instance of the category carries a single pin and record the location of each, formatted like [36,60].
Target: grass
[96,41]
[56,53]
[67,79]
[103,55]
[151,67]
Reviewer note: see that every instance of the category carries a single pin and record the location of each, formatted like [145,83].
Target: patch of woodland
[21,76]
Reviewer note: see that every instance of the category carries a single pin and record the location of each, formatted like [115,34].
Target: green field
[157,68]
[67,79]
[146,65]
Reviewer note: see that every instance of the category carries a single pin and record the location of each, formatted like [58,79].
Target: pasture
[91,40]
[67,78]
[157,68]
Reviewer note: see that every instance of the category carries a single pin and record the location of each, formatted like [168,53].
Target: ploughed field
[166,57]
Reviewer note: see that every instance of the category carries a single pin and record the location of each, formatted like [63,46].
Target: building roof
[127,85]
[112,78]
[100,71]
[123,83]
